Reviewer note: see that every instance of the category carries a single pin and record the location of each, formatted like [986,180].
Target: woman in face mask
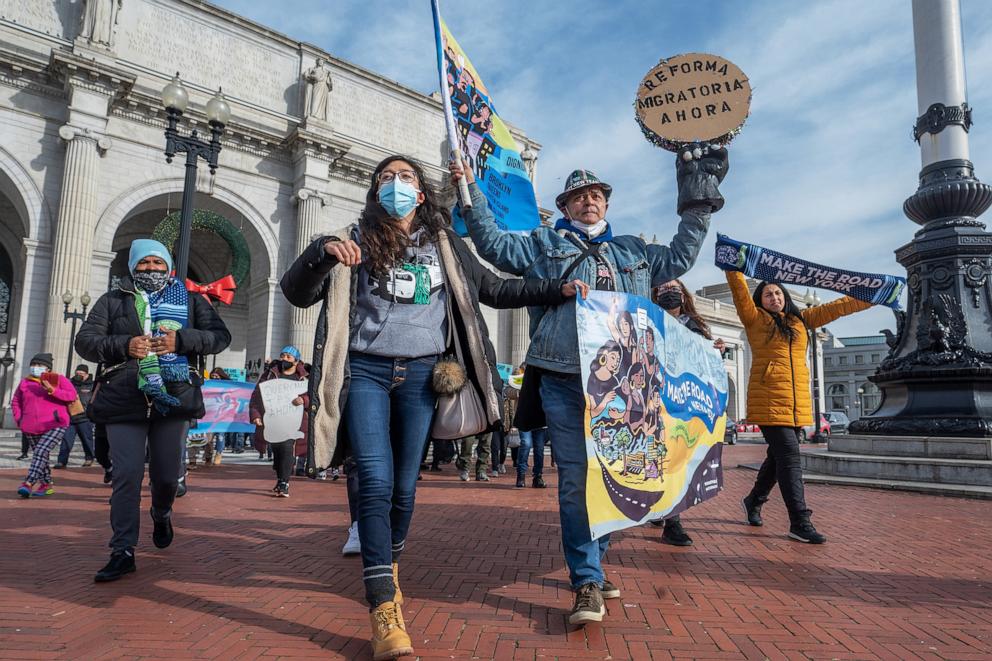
[399,289]
[40,405]
[284,451]
[675,299]
[150,334]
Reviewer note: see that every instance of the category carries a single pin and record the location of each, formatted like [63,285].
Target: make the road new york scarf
[764,264]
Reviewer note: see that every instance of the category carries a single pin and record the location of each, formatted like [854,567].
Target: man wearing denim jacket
[619,263]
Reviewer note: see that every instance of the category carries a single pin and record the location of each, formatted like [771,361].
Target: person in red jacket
[41,411]
[284,453]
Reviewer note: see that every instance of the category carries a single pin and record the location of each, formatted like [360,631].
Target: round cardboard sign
[694,97]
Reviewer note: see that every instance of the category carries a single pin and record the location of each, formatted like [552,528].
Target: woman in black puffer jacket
[149,334]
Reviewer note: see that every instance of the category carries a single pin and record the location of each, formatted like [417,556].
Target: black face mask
[286,365]
[671,299]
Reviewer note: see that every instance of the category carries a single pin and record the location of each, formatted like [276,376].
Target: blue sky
[822,166]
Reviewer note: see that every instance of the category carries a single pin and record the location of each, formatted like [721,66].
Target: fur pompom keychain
[449,376]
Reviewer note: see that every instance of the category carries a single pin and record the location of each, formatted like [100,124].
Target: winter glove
[699,170]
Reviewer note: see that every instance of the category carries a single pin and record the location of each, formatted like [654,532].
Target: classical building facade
[848,362]
[82,170]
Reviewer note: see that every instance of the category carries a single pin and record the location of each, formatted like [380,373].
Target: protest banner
[282,418]
[695,97]
[764,264]
[226,405]
[484,140]
[656,399]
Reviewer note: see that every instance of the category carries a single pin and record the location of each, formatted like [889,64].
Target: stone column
[304,320]
[521,336]
[73,246]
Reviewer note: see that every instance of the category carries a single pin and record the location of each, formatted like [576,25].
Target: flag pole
[449,118]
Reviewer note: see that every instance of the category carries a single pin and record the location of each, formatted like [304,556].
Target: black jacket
[104,339]
[306,283]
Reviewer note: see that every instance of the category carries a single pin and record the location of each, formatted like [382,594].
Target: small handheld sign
[695,97]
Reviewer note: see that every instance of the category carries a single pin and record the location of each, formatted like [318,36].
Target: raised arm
[672,261]
[746,309]
[65,392]
[821,315]
[512,253]
[497,292]
[93,341]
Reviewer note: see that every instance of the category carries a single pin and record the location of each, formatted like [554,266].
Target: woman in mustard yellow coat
[778,397]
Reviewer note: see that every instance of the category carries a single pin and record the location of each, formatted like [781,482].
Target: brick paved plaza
[903,576]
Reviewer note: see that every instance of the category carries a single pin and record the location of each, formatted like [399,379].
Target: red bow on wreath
[222,290]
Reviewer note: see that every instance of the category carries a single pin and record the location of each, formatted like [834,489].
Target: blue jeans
[220,440]
[389,413]
[564,407]
[531,439]
[85,432]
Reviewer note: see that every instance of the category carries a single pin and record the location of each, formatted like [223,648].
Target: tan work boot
[389,637]
[217,458]
[396,581]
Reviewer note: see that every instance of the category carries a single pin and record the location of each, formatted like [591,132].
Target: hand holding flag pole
[449,119]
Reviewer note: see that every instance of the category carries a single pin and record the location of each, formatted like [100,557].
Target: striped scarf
[166,309]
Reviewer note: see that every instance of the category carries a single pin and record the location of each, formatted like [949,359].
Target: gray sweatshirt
[394,319]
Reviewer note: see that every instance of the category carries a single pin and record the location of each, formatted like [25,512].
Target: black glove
[700,176]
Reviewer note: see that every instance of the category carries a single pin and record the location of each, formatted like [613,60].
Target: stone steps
[936,447]
[969,472]
[937,489]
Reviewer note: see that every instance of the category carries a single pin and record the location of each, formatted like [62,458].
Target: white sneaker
[354,544]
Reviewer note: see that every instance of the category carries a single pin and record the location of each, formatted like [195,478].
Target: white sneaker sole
[351,550]
[798,538]
[585,617]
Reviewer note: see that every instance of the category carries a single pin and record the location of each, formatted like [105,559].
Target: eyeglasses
[406,176]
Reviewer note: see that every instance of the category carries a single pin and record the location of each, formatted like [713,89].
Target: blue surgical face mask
[398,198]
[37,370]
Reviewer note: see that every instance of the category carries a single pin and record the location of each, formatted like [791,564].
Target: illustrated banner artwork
[656,400]
[226,404]
[764,264]
[282,418]
[486,143]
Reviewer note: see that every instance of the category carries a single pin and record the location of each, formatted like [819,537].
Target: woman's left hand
[719,344]
[570,289]
[164,344]
[298,401]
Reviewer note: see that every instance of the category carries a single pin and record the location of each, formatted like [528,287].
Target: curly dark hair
[781,321]
[382,240]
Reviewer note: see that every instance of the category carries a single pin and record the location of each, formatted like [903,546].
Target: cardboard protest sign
[656,399]
[282,418]
[695,97]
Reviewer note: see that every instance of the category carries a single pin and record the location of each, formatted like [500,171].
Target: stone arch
[131,200]
[16,184]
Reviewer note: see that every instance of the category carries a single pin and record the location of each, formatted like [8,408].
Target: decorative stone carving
[319,86]
[99,19]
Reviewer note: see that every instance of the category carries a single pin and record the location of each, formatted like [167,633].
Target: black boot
[163,533]
[802,529]
[752,510]
[539,482]
[121,562]
[675,534]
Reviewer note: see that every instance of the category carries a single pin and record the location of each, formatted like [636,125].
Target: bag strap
[592,249]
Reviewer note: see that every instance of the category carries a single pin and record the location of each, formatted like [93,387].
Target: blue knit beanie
[141,248]
[292,351]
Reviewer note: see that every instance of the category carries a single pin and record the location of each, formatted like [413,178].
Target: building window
[728,354]
[875,357]
[837,397]
[870,396]
[859,359]
[828,361]
[842,360]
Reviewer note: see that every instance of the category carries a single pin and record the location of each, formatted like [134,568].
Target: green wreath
[167,233]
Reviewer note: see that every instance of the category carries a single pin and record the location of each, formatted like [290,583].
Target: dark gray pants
[165,438]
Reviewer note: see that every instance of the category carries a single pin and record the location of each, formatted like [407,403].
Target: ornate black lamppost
[811,299]
[74,316]
[937,377]
[175,99]
[5,364]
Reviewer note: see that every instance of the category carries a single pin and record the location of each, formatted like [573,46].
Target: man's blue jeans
[531,439]
[85,432]
[564,407]
[389,413]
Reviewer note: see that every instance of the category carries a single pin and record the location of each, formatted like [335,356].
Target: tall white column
[73,246]
[521,335]
[940,76]
[304,321]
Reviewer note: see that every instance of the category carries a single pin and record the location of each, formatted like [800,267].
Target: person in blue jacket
[582,245]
